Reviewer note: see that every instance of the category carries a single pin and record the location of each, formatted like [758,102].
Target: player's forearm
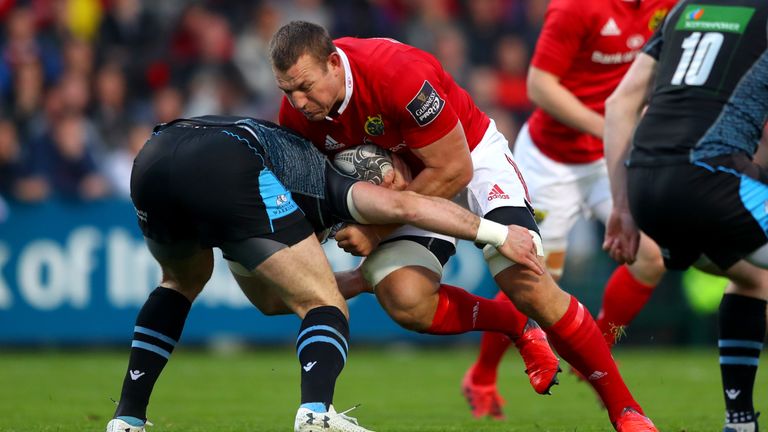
[545,90]
[381,206]
[622,112]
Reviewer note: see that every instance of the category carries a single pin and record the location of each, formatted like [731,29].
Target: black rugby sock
[322,350]
[742,330]
[158,328]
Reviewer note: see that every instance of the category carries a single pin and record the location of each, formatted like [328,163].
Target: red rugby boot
[541,364]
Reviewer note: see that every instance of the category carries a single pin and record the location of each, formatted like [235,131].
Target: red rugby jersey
[397,97]
[590,45]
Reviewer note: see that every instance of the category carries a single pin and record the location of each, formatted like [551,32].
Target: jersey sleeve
[419,103]
[654,44]
[561,38]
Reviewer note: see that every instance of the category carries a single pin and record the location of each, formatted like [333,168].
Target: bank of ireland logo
[374,126]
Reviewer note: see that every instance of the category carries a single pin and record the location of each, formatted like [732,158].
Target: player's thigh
[747,280]
[301,276]
[186,266]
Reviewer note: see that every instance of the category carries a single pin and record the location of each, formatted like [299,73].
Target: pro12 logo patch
[426,105]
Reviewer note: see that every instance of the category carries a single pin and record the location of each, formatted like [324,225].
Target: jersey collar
[348,82]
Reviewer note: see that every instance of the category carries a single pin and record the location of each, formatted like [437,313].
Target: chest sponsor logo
[657,18]
[613,58]
[426,105]
[635,41]
[732,19]
[374,126]
[610,28]
[332,144]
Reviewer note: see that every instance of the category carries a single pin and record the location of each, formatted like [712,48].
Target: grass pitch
[400,389]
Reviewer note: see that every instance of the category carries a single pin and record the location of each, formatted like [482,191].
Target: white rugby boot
[331,421]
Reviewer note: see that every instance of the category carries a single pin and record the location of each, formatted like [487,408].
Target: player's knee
[649,266]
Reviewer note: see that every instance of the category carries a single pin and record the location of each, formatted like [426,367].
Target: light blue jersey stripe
[149,347]
[326,339]
[154,334]
[738,343]
[325,328]
[746,361]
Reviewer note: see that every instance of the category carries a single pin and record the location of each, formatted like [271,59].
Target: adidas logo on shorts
[496,192]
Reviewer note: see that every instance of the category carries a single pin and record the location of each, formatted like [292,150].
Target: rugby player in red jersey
[584,49]
[352,91]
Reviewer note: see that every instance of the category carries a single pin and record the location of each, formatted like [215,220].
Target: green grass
[400,390]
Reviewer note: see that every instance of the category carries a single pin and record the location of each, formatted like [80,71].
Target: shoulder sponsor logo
[426,105]
[374,126]
[657,18]
[610,28]
[332,144]
[732,19]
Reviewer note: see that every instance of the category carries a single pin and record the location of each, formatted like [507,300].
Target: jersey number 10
[698,57]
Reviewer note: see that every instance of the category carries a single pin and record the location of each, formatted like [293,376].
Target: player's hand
[622,238]
[402,174]
[520,248]
[359,240]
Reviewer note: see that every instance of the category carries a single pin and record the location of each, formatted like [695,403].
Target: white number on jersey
[698,57]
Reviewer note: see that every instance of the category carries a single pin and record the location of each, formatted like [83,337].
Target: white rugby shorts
[561,192]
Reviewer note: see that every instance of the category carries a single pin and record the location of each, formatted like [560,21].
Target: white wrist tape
[492,233]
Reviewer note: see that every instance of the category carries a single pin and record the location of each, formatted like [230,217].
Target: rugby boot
[541,364]
[127,424]
[331,421]
[743,427]
[483,400]
[632,421]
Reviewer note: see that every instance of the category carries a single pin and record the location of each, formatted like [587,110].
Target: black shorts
[716,207]
[210,185]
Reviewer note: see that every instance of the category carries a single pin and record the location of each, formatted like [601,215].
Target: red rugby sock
[623,299]
[578,340]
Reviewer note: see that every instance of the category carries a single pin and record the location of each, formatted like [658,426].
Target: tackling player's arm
[370,204]
[545,90]
[559,43]
[622,113]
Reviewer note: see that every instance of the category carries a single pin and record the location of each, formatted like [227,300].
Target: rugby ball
[364,162]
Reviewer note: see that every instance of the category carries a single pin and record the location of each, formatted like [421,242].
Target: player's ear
[334,60]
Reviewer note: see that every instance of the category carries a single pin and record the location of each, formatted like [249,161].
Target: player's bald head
[297,38]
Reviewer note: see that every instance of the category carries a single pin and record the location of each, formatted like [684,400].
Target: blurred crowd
[82,82]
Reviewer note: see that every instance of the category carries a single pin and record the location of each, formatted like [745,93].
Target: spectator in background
[10,157]
[62,164]
[78,57]
[167,105]
[252,58]
[129,34]
[119,162]
[22,45]
[429,19]
[27,96]
[451,51]
[512,66]
[483,26]
[110,111]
